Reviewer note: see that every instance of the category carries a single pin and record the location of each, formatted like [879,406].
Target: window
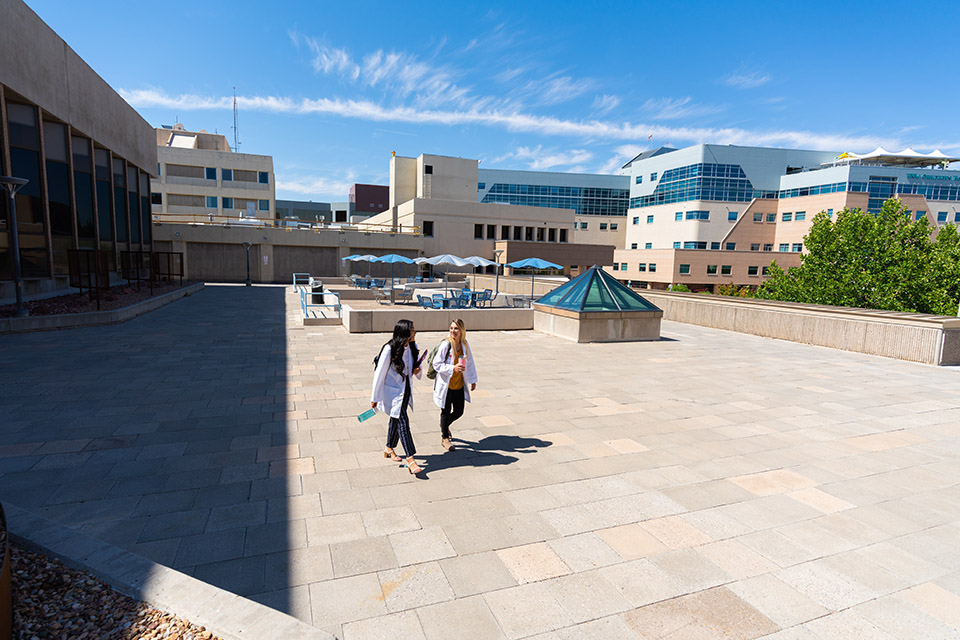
[698,215]
[552,235]
[731,246]
[798,246]
[633,245]
[428,169]
[648,245]
[768,247]
[764,271]
[478,231]
[785,246]
[491,232]
[754,246]
[695,245]
[563,235]
[263,177]
[732,216]
[263,205]
[481,185]
[956,216]
[227,203]
[227,175]
[676,245]
[614,225]
[650,219]
[771,217]
[711,269]
[921,214]
[684,269]
[157,198]
[616,266]
[636,219]
[583,226]
[505,232]
[652,267]
[758,217]
[678,216]
[541,234]
[653,176]
[642,266]
[715,246]
[518,233]
[830,213]
[639,180]
[623,266]
[210,173]
[428,228]
[752,271]
[725,269]
[787,217]
[800,216]
[528,234]
[603,226]
[941,216]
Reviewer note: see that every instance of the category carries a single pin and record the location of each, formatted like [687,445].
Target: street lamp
[496,258]
[12,185]
[247,245]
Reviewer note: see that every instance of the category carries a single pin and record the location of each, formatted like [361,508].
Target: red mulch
[112,298]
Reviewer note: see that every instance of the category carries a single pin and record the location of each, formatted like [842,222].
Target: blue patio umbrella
[532,263]
[392,259]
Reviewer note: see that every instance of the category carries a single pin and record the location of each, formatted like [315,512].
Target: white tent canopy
[908,158]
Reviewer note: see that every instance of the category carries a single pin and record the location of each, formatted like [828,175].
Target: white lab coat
[388,384]
[443,363]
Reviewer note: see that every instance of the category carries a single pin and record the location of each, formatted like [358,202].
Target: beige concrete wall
[595,234]
[599,327]
[452,178]
[383,320]
[403,181]
[914,337]
[38,65]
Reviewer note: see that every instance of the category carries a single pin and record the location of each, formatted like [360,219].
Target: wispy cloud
[746,78]
[621,155]
[317,187]
[513,120]
[332,60]
[602,105]
[674,108]
[539,160]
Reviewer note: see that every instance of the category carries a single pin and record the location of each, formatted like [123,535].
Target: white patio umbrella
[477,261]
[445,258]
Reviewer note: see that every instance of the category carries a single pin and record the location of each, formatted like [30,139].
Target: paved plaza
[710,485]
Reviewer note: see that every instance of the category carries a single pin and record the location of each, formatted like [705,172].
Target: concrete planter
[6,588]
[597,326]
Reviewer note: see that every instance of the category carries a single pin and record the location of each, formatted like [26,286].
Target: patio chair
[465,299]
[403,296]
[486,299]
[378,283]
[426,303]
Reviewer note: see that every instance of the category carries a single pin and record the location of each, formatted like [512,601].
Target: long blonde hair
[463,336]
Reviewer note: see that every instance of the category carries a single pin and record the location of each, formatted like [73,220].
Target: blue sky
[330,89]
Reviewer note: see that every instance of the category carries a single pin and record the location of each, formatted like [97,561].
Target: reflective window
[785,246]
[636,219]
[648,245]
[263,205]
[754,246]
[263,177]
[768,247]
[678,216]
[732,216]
[725,269]
[787,217]
[798,246]
[714,246]
[210,173]
[633,245]
[731,246]
[583,200]
[752,271]
[677,245]
[711,269]
[211,202]
[684,269]
[800,216]
[227,203]
[650,219]
[227,174]
[758,217]
[771,217]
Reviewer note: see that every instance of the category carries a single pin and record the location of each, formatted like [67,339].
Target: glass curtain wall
[83,192]
[104,203]
[145,207]
[24,140]
[58,193]
[134,206]
[120,202]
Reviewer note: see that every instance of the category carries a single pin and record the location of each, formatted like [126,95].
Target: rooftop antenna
[236,130]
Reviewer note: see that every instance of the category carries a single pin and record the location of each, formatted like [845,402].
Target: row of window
[594,201]
[526,234]
[787,216]
[613,226]
[210,202]
[210,173]
[942,216]
[643,266]
[725,270]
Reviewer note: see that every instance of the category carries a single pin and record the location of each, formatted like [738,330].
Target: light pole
[496,258]
[246,245]
[12,185]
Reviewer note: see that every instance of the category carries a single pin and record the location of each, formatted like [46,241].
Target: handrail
[306,306]
[287,224]
[298,285]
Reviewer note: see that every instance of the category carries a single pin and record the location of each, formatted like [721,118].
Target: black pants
[398,429]
[452,409]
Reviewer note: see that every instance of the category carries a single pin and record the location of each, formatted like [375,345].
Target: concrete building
[713,214]
[87,154]
[200,176]
[367,200]
[439,196]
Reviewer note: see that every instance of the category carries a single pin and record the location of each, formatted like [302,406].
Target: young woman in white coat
[391,391]
[456,369]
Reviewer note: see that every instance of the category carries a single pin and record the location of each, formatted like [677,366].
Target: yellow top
[456,380]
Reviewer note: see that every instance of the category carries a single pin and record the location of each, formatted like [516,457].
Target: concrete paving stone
[244,473]
[236,516]
[935,601]
[736,559]
[346,501]
[166,502]
[82,491]
[160,551]
[362,556]
[275,536]
[641,582]
[209,547]
[336,528]
[294,601]
[476,573]
[174,525]
[243,576]
[846,625]
[283,487]
[388,521]
[297,507]
[421,545]
[415,586]
[631,541]
[825,586]
[899,562]
[704,495]
[777,600]
[526,610]
[587,595]
[585,551]
[221,495]
[901,619]
[468,617]
[404,624]
[298,567]
[533,562]
[675,532]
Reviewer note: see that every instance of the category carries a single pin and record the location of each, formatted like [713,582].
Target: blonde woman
[456,369]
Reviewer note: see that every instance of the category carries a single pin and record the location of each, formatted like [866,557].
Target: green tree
[883,261]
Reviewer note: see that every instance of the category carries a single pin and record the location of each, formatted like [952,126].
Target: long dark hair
[401,333]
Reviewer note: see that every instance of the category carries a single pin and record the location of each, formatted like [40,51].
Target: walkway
[709,485]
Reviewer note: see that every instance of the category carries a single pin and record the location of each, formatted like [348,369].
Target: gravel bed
[54,602]
[112,298]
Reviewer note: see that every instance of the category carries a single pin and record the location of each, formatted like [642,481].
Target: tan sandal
[390,454]
[446,444]
[413,467]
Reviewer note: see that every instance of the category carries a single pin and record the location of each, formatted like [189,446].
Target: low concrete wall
[905,336]
[383,320]
[598,326]
[70,320]
[516,284]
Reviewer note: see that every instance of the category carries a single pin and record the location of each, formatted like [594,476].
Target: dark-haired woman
[391,391]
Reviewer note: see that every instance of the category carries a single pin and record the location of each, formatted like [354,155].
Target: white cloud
[746,79]
[673,108]
[318,187]
[539,160]
[331,59]
[514,120]
[602,105]
[622,154]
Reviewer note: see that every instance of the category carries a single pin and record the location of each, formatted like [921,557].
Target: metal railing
[306,305]
[300,280]
[287,224]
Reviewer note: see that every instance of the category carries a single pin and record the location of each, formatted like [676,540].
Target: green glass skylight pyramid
[596,290]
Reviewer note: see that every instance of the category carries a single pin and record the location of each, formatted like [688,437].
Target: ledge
[224,614]
[92,318]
